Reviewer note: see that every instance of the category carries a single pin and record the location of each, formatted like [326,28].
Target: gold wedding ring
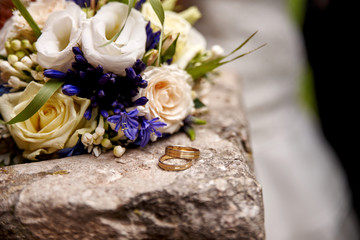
[182,152]
[169,167]
[178,152]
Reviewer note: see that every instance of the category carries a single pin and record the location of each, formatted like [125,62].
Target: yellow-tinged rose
[55,126]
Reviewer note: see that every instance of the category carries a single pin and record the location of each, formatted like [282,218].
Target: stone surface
[84,197]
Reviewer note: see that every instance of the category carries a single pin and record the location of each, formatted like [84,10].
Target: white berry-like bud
[119,151]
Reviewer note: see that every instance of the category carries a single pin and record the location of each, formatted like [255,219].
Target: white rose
[61,33]
[169,94]
[40,11]
[55,126]
[126,49]
[190,41]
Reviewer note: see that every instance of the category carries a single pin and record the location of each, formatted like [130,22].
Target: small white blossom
[96,151]
[16,83]
[87,139]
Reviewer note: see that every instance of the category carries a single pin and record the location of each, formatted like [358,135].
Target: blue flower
[127,121]
[152,39]
[70,90]
[106,90]
[78,149]
[4,89]
[148,128]
[51,73]
[139,4]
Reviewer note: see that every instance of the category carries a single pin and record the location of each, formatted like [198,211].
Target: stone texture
[84,197]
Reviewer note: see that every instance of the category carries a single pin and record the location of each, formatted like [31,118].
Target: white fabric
[305,194]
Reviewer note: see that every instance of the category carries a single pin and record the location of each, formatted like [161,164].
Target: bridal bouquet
[88,76]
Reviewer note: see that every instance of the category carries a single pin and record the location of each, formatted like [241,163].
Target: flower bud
[119,151]
[106,143]
[27,61]
[192,14]
[167,43]
[33,58]
[87,139]
[27,45]
[16,83]
[15,44]
[151,57]
[21,67]
[8,47]
[20,54]
[12,58]
[217,51]
[70,90]
[100,131]
[96,151]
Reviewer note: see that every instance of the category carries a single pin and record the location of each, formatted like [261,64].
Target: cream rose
[7,32]
[55,126]
[169,94]
[61,32]
[40,11]
[190,41]
[123,52]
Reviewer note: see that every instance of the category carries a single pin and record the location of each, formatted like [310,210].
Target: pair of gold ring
[181,152]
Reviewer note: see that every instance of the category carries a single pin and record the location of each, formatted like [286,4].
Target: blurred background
[299,94]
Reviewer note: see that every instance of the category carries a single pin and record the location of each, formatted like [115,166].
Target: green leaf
[190,131]
[198,103]
[242,44]
[24,12]
[199,71]
[158,9]
[47,90]
[113,39]
[244,54]
[196,120]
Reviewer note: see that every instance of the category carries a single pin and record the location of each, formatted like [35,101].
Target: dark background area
[330,33]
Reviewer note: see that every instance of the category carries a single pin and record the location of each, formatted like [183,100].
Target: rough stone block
[84,197]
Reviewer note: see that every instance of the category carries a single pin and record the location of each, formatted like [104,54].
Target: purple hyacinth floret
[106,90]
[127,122]
[4,89]
[148,128]
[139,4]
[152,38]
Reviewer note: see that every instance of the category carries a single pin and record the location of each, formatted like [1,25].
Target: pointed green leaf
[242,44]
[190,131]
[45,92]
[199,71]
[25,13]
[158,9]
[198,103]
[242,55]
